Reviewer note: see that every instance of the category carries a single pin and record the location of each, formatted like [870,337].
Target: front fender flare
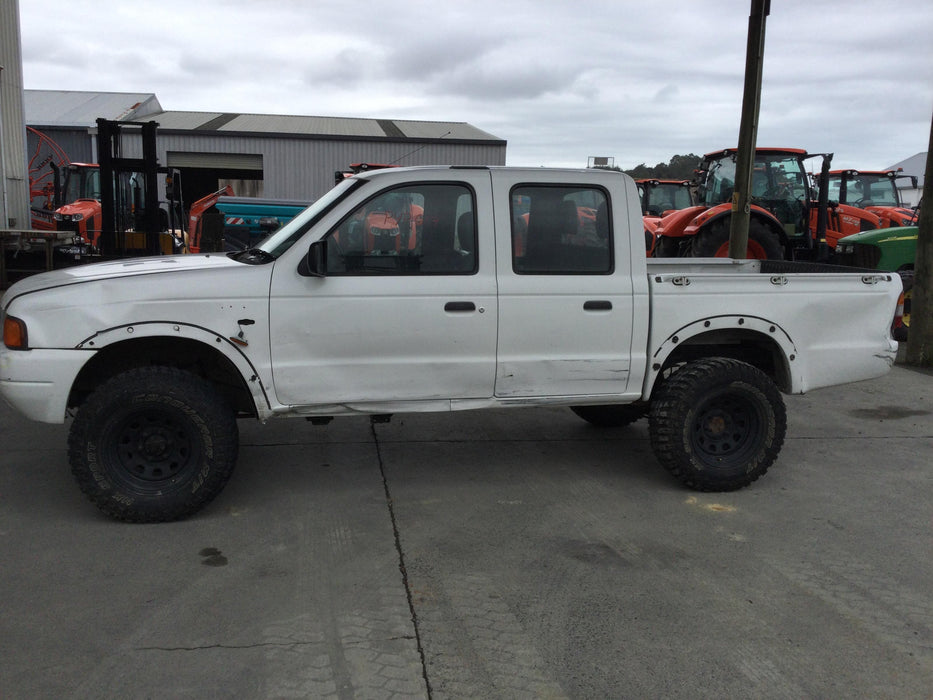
[250,375]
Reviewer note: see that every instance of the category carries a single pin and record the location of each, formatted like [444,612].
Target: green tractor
[891,250]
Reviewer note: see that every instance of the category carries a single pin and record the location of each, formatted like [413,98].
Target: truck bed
[825,320]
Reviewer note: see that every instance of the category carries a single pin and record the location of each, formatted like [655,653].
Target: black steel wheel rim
[726,429]
[153,447]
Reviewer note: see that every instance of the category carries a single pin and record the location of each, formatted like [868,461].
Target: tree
[680,167]
[920,338]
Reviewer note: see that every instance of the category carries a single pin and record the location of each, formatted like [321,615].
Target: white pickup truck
[431,289]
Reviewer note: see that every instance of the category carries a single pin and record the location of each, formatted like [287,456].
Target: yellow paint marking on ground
[715,507]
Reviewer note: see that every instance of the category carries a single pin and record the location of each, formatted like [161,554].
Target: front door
[407,311]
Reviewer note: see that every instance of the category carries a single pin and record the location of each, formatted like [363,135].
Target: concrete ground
[495,554]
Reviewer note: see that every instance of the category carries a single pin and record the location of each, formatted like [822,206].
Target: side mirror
[314,264]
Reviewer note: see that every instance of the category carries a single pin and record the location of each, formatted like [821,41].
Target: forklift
[133,222]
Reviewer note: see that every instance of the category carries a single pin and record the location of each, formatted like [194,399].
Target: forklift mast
[120,209]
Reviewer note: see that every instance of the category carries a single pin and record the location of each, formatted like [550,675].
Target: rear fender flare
[713,330]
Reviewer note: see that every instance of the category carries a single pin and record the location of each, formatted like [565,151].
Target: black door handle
[597,306]
[459,306]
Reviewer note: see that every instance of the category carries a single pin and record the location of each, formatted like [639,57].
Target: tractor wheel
[612,415]
[713,242]
[666,247]
[717,424]
[153,444]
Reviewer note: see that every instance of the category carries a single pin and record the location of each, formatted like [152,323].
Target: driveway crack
[401,561]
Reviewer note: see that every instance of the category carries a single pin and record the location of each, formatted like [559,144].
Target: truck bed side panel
[832,328]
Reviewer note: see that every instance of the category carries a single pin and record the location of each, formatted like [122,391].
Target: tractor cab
[80,209]
[874,191]
[80,181]
[780,185]
[661,196]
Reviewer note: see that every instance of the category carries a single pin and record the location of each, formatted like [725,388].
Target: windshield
[666,196]
[81,183]
[864,190]
[283,239]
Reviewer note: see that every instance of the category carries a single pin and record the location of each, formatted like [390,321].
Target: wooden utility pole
[920,335]
[748,129]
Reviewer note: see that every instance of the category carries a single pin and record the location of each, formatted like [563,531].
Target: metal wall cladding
[304,168]
[76,143]
[14,201]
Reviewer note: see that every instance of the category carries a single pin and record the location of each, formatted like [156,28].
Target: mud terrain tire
[717,424]
[153,444]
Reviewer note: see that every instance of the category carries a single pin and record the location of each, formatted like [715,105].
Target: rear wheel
[717,424]
[612,415]
[713,242]
[153,444]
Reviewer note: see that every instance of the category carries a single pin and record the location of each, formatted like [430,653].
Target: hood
[129,267]
[65,307]
[882,235]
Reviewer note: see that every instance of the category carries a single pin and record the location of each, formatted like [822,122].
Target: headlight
[847,249]
[58,217]
[77,217]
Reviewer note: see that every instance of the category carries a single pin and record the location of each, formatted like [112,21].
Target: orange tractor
[786,221]
[80,194]
[875,191]
[660,197]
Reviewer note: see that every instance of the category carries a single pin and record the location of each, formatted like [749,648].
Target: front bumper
[37,382]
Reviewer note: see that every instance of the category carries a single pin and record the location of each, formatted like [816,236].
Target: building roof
[81,109]
[915,165]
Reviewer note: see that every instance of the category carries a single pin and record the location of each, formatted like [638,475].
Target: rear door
[565,294]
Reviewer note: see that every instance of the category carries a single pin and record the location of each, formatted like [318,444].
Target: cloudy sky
[560,81]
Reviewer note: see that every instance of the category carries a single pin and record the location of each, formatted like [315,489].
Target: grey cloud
[347,69]
[668,93]
[419,60]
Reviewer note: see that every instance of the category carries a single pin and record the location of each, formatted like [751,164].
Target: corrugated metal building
[14,190]
[282,156]
[915,165]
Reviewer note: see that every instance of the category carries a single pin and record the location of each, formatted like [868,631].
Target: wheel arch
[757,341]
[758,214]
[174,345]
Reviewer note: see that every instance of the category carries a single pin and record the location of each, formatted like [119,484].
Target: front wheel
[153,444]
[717,424]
